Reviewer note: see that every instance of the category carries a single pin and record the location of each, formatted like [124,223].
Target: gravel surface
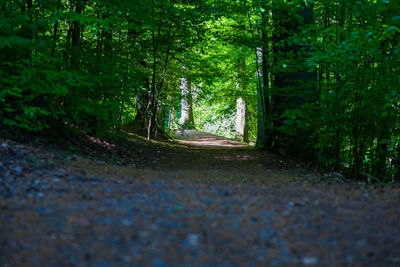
[190,207]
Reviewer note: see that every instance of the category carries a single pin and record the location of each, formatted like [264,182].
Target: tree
[187,118]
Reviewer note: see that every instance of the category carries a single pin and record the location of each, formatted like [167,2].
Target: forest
[199,133]
[316,80]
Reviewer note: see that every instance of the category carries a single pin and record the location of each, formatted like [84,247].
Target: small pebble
[193,239]
[17,170]
[309,260]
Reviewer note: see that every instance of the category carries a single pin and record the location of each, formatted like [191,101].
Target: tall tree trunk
[152,92]
[301,83]
[55,32]
[187,117]
[261,109]
[76,35]
[141,102]
[27,30]
[242,129]
[108,39]
[265,76]
[171,117]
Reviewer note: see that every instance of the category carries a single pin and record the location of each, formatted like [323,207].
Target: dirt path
[206,140]
[218,203]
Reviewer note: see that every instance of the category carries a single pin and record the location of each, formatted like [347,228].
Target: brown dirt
[206,201]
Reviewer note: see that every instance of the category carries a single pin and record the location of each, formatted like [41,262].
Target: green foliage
[320,78]
[353,125]
[89,64]
[215,119]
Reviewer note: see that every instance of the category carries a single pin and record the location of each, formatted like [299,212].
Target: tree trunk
[55,32]
[187,117]
[265,76]
[108,38]
[242,129]
[27,31]
[152,90]
[261,109]
[171,117]
[76,36]
[299,83]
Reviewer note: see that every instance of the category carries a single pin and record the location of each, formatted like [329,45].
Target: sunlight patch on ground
[194,138]
[236,157]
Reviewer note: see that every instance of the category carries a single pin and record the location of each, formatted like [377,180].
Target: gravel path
[214,206]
